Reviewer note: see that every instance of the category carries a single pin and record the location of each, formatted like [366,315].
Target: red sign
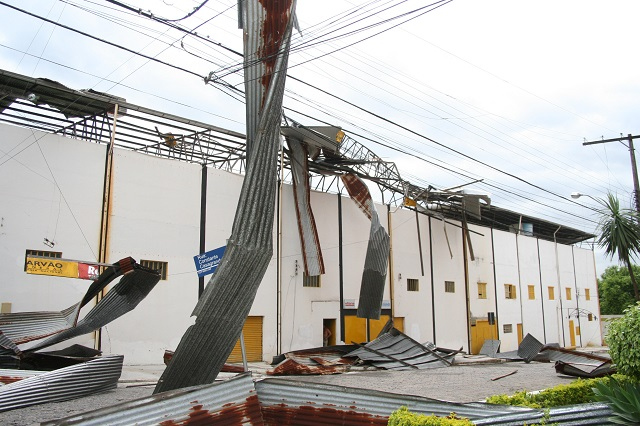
[87,271]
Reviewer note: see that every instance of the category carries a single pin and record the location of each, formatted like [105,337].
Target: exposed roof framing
[49,106]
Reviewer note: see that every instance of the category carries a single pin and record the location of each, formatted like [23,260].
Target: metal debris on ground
[587,371]
[529,347]
[490,348]
[229,402]
[577,363]
[79,380]
[504,375]
[322,360]
[394,350]
[596,414]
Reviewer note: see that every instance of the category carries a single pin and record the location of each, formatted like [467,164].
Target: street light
[576,195]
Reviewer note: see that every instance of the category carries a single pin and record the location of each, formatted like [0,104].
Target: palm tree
[619,230]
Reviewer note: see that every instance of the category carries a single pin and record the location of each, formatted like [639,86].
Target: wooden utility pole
[634,169]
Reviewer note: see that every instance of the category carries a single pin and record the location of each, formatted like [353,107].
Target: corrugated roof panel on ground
[229,402]
[63,384]
[529,348]
[290,402]
[572,415]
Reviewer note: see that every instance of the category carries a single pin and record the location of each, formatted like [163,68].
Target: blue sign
[208,262]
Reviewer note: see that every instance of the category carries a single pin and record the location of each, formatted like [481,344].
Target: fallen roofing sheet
[529,348]
[377,256]
[322,360]
[578,415]
[395,350]
[24,327]
[12,375]
[571,356]
[291,402]
[587,371]
[490,348]
[63,384]
[229,402]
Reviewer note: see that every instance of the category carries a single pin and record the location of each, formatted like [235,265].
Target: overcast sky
[501,90]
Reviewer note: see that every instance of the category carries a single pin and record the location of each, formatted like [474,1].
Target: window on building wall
[568,291]
[590,317]
[507,328]
[532,292]
[587,294]
[310,280]
[509,291]
[41,253]
[577,330]
[449,287]
[413,284]
[156,265]
[482,290]
[552,293]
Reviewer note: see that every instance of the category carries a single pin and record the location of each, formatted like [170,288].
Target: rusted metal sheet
[290,402]
[56,327]
[322,360]
[395,350]
[63,384]
[227,299]
[311,251]
[377,257]
[229,402]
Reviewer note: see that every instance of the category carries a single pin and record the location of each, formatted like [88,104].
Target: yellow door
[480,332]
[355,329]
[572,334]
[252,331]
[520,336]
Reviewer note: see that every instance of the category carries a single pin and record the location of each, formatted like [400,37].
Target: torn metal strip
[374,275]
[231,402]
[311,251]
[227,299]
[63,384]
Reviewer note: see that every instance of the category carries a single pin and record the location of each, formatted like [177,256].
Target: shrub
[623,339]
[577,392]
[622,398]
[403,417]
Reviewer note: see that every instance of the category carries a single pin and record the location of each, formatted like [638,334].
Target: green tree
[615,290]
[619,230]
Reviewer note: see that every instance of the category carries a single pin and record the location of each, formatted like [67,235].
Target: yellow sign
[53,267]
[410,202]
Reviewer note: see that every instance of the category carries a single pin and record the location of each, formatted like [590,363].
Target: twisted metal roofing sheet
[231,402]
[227,299]
[290,402]
[529,348]
[63,384]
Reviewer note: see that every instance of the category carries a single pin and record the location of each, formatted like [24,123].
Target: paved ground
[471,380]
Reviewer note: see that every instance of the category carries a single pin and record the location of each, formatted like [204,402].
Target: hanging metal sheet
[311,251]
[227,299]
[231,402]
[377,257]
[63,384]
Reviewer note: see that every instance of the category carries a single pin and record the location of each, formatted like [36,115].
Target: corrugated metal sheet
[395,350]
[573,415]
[311,251]
[228,297]
[11,375]
[529,348]
[231,402]
[377,257]
[66,383]
[570,356]
[490,347]
[585,370]
[26,327]
[290,402]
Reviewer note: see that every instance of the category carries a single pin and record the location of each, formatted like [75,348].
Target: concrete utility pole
[636,185]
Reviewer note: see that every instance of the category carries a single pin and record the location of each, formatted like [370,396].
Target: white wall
[586,279]
[529,267]
[414,306]
[549,273]
[509,310]
[481,271]
[450,308]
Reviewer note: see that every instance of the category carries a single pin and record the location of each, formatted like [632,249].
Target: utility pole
[634,169]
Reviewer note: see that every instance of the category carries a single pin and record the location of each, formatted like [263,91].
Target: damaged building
[91,177]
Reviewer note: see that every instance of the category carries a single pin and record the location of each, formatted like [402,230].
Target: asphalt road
[460,383]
